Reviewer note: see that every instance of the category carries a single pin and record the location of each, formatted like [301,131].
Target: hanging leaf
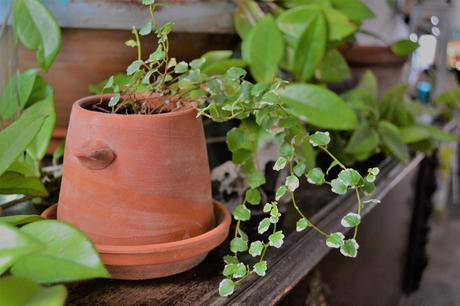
[363,142]
[16,137]
[318,106]
[339,25]
[355,9]
[419,132]
[391,138]
[78,260]
[37,29]
[23,291]
[14,244]
[15,183]
[263,49]
[310,48]
[333,68]
[404,47]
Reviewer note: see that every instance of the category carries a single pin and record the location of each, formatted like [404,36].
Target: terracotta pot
[370,55]
[136,183]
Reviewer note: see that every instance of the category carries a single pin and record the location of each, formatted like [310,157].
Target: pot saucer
[162,259]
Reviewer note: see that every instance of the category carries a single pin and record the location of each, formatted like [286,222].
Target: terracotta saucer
[163,259]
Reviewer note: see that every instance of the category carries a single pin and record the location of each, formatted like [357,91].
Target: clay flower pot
[139,186]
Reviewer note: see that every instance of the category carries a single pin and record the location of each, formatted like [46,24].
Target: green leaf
[280,164]
[333,68]
[449,97]
[335,240]
[338,186]
[181,67]
[280,192]
[242,213]
[319,106]
[131,43]
[17,291]
[300,168]
[223,66]
[355,9]
[404,47]
[391,138]
[235,73]
[230,269]
[253,196]
[276,239]
[392,105]
[238,245]
[114,100]
[302,224]
[14,183]
[69,255]
[368,187]
[148,2]
[349,248]
[351,220]
[18,136]
[268,207]
[339,25]
[261,268]
[15,244]
[241,23]
[363,142]
[230,259]
[295,3]
[134,66]
[419,132]
[255,179]
[256,248]
[146,29]
[240,270]
[310,49]
[292,183]
[316,176]
[226,287]
[293,22]
[262,49]
[264,225]
[37,29]
[216,56]
[331,166]
[350,177]
[39,146]
[320,139]
[20,219]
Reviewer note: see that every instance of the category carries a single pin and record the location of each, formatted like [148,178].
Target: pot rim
[90,100]
[223,220]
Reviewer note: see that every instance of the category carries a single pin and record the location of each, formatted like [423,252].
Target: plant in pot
[138,156]
[35,254]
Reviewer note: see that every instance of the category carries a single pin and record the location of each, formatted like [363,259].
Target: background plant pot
[136,180]
[370,55]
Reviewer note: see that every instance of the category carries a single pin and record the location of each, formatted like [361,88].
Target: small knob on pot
[95,155]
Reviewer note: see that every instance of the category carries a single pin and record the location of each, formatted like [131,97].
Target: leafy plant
[388,123]
[267,110]
[40,251]
[27,110]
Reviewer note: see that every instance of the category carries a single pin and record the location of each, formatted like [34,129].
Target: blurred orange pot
[139,187]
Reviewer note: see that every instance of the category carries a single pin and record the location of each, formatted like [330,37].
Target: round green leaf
[320,139]
[280,192]
[264,225]
[335,240]
[238,245]
[315,176]
[242,213]
[261,268]
[350,177]
[69,255]
[256,248]
[292,183]
[338,186]
[226,287]
[253,196]
[351,220]
[280,164]
[302,224]
[349,248]
[276,239]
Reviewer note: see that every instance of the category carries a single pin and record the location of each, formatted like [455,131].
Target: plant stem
[139,47]
[360,205]
[333,157]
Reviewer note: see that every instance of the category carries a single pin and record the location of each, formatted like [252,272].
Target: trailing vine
[266,114]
